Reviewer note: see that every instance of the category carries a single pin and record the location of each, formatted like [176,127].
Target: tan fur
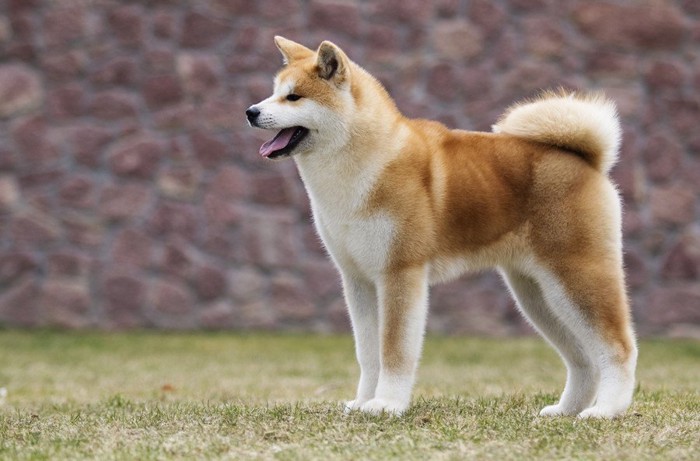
[532,199]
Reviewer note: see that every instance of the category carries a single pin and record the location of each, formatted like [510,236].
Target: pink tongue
[278,142]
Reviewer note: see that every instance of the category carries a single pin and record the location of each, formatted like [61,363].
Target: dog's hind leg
[582,374]
[596,291]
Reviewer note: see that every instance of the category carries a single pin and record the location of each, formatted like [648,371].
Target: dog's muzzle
[252,114]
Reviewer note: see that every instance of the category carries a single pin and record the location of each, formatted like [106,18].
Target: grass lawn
[232,396]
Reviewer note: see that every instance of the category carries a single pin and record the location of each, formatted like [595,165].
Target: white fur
[568,121]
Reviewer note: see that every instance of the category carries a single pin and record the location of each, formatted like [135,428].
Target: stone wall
[132,194]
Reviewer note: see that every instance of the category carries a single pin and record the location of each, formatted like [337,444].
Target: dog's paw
[556,410]
[379,406]
[352,405]
[599,412]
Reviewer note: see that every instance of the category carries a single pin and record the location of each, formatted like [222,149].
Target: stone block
[86,144]
[682,261]
[132,247]
[123,294]
[199,73]
[124,201]
[210,282]
[632,26]
[9,193]
[63,66]
[126,22]
[68,264]
[673,204]
[209,150]
[20,89]
[290,300]
[335,15]
[66,101]
[137,156]
[78,191]
[19,304]
[179,182]
[200,31]
[456,40]
[62,27]
[121,70]
[37,145]
[114,105]
[176,219]
[65,304]
[161,90]
[15,265]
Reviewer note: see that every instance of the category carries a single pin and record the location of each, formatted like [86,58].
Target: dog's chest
[360,243]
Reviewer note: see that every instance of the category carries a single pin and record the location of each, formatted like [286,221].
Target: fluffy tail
[583,123]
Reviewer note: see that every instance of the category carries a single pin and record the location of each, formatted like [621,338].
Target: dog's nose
[252,113]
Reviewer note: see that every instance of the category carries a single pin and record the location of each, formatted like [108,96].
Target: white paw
[379,406]
[599,412]
[556,410]
[352,405]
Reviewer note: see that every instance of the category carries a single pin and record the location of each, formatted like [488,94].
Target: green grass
[229,396]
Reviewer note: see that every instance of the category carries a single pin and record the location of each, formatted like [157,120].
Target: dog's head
[309,103]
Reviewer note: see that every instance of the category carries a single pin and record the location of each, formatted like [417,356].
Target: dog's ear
[291,50]
[331,62]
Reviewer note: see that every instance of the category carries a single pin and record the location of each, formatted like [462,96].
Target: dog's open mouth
[284,142]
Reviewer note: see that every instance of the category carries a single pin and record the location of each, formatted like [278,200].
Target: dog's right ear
[291,50]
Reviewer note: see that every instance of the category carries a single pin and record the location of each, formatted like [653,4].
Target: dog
[401,204]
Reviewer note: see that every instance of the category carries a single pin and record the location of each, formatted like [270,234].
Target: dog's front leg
[403,306]
[361,299]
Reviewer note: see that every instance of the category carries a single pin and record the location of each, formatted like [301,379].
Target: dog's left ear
[332,63]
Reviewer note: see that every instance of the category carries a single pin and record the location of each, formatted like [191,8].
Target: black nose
[252,113]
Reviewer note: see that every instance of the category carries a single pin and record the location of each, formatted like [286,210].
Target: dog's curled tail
[583,123]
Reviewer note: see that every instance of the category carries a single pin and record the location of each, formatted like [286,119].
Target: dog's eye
[293,97]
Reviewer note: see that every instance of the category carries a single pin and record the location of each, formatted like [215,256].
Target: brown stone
[164,24]
[177,258]
[124,201]
[137,156]
[68,264]
[161,90]
[63,26]
[9,193]
[210,151]
[87,144]
[674,304]
[218,316]
[199,31]
[682,262]
[664,74]
[114,104]
[442,80]
[170,298]
[271,188]
[126,23]
[246,284]
[200,74]
[456,39]
[290,299]
[65,304]
[632,26]
[334,15]
[179,182]
[83,230]
[34,138]
[132,247]
[14,265]
[63,66]
[19,304]
[672,204]
[663,155]
[490,16]
[169,218]
[124,298]
[32,227]
[269,238]
[121,70]
[209,282]
[66,101]
[78,191]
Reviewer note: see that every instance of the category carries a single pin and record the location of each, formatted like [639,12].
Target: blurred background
[132,194]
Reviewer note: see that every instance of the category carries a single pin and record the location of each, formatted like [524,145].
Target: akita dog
[401,204]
